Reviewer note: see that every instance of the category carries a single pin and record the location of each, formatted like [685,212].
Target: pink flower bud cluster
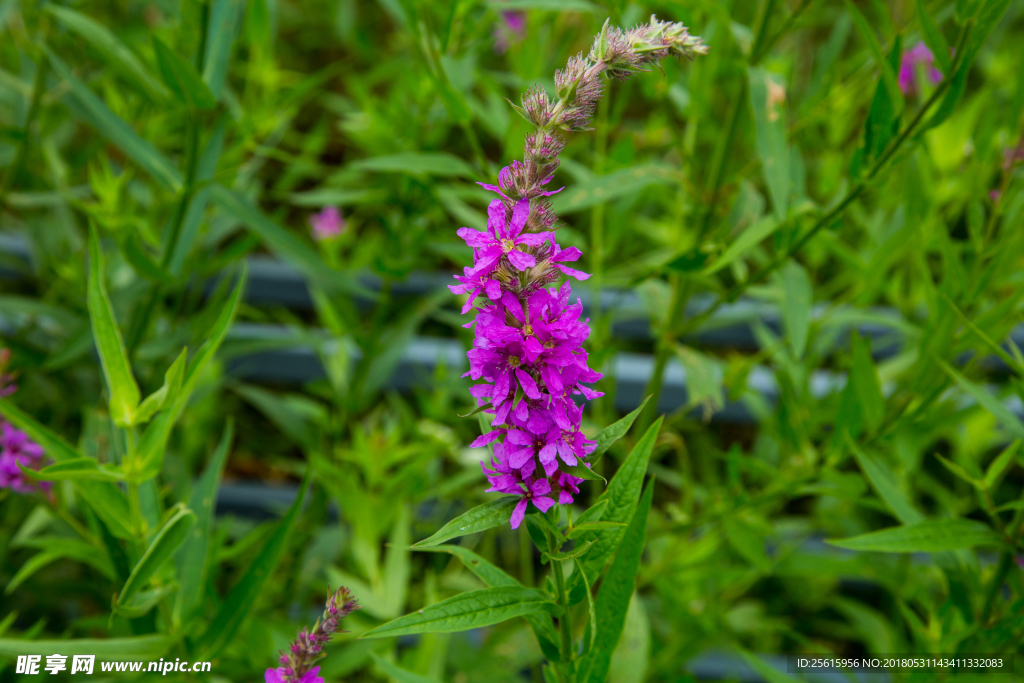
[528,348]
[16,448]
[616,53]
[297,662]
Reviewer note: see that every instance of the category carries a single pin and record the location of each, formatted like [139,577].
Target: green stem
[38,88]
[1002,569]
[564,621]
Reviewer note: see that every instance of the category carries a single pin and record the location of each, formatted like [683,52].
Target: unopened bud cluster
[297,662]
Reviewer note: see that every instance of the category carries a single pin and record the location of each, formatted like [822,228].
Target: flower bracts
[528,348]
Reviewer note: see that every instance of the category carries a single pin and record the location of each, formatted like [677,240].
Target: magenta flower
[503,240]
[536,493]
[919,54]
[326,224]
[16,448]
[309,643]
[280,675]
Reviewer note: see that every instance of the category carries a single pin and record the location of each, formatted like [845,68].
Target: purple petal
[543,504]
[487,438]
[517,514]
[493,289]
[475,238]
[572,272]
[492,188]
[520,214]
[527,383]
[521,261]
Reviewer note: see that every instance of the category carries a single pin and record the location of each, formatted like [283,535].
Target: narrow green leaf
[934,39]
[171,535]
[746,241]
[166,394]
[124,392]
[243,596]
[56,548]
[613,432]
[767,99]
[77,468]
[766,670]
[588,527]
[885,485]
[883,116]
[88,106]
[142,262]
[192,559]
[888,73]
[591,636]
[958,471]
[1002,463]
[398,674]
[439,164]
[796,313]
[220,36]
[583,472]
[989,402]
[149,453]
[182,78]
[593,513]
[113,50]
[466,611]
[481,518]
[494,577]
[481,568]
[622,495]
[930,536]
[150,647]
[616,591]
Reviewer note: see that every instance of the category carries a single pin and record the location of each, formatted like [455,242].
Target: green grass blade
[124,392]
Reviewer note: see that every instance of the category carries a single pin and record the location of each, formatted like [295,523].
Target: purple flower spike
[327,224]
[309,644]
[528,354]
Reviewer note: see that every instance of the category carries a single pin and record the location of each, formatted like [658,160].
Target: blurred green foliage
[787,167]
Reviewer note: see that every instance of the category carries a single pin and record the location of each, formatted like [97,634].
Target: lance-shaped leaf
[397,673]
[466,611]
[171,535]
[149,454]
[622,495]
[191,559]
[77,468]
[494,577]
[150,647]
[616,590]
[934,535]
[242,597]
[481,518]
[182,79]
[166,394]
[220,36]
[124,392]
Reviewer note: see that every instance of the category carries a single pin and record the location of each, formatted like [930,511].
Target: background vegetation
[831,261]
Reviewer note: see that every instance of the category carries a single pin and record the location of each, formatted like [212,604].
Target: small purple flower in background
[511,30]
[309,644]
[16,448]
[326,224]
[919,54]
[529,340]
